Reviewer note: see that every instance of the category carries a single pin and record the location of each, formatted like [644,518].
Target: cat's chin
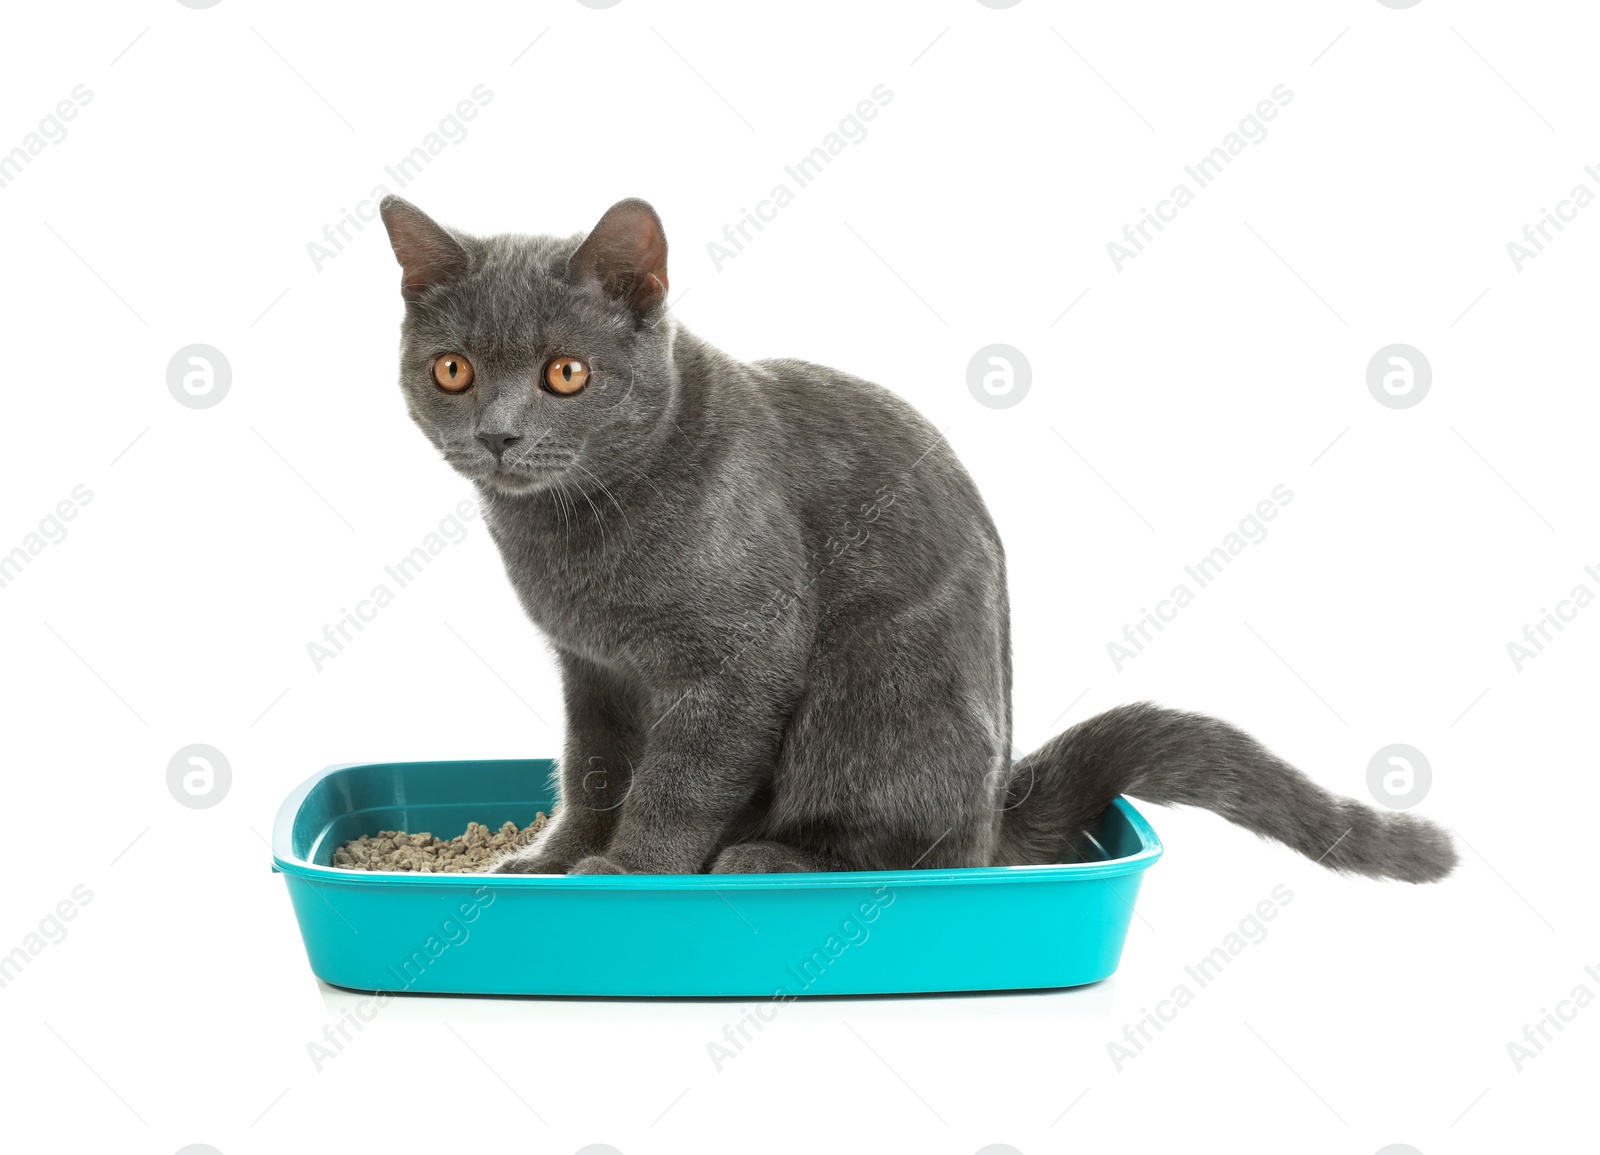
[516,484]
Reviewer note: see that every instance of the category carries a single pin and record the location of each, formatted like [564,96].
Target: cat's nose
[497,442]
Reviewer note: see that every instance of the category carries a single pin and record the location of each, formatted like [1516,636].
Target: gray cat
[778,602]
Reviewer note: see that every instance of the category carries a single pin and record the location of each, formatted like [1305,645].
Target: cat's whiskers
[610,495]
[637,476]
[555,496]
[599,521]
[572,509]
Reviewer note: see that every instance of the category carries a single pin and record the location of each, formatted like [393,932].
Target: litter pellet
[469,853]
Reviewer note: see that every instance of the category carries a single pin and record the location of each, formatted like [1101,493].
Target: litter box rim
[286,861]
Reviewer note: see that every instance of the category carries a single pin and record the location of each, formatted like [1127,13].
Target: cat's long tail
[1167,756]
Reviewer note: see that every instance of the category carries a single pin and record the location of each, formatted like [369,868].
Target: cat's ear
[428,255]
[626,254]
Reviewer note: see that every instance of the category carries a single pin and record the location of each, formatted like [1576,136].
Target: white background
[1226,359]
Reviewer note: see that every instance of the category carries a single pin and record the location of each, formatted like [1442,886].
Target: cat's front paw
[596,864]
[528,860]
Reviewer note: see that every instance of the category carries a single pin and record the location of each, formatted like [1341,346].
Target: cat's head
[529,360]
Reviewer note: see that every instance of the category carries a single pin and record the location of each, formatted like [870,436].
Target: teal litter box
[747,935]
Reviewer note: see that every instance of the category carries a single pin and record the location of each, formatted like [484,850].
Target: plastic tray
[752,935]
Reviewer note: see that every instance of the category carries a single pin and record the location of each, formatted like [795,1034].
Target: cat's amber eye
[566,375]
[453,372]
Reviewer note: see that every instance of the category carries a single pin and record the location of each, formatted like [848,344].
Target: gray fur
[778,601]
[1189,759]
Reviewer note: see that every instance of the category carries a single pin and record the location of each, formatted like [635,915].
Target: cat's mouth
[521,481]
[526,474]
[515,473]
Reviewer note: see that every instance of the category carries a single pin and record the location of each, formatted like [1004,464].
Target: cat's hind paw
[596,864]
